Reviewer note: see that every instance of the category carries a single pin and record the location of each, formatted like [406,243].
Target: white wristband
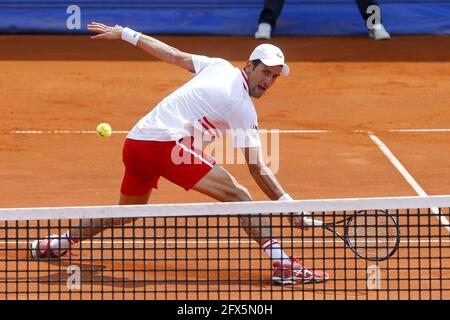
[131,36]
[285,197]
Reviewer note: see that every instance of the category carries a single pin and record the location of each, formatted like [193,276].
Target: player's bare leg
[91,227]
[57,246]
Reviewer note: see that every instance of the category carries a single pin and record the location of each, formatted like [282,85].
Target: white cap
[271,56]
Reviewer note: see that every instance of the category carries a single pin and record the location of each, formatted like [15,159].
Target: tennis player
[216,99]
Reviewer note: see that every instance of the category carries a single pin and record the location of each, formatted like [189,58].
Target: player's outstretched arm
[154,47]
[267,182]
[262,175]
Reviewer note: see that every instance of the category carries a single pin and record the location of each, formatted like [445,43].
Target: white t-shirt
[214,101]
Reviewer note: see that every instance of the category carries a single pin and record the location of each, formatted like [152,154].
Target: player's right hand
[300,219]
[104,31]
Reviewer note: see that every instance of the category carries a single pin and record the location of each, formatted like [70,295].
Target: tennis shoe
[378,32]
[52,248]
[291,272]
[264,31]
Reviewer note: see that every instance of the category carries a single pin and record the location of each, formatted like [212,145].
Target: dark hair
[255,63]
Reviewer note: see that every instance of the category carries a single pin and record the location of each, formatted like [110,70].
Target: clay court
[56,89]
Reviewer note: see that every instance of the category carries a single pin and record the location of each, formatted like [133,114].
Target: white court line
[30,132]
[60,132]
[26,132]
[419,130]
[408,177]
[293,131]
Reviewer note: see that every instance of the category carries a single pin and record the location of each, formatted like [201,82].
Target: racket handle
[312,223]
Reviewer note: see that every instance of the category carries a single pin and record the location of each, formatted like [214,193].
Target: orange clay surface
[347,86]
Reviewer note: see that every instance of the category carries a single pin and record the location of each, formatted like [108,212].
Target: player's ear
[248,66]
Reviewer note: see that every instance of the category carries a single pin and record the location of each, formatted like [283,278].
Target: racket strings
[372,234]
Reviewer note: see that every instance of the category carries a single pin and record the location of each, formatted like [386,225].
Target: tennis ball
[104,130]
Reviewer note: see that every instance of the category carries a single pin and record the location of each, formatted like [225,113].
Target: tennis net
[203,252]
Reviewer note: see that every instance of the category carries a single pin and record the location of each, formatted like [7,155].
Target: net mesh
[179,252]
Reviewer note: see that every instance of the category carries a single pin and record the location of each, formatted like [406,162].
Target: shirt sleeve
[243,124]
[201,62]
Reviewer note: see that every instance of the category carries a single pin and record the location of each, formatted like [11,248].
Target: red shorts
[146,161]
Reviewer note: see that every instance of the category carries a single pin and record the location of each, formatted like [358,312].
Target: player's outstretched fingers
[99,36]
[95,29]
[101,25]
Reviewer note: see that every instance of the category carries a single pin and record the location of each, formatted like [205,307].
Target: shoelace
[296,260]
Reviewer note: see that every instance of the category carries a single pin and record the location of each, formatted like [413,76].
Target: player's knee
[120,221]
[128,220]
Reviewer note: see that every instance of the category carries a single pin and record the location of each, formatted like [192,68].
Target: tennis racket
[371,234]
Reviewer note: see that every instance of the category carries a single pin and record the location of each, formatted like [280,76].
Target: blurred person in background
[272,10]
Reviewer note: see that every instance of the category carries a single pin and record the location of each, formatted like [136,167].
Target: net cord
[224,208]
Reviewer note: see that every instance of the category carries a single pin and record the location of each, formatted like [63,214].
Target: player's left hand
[105,32]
